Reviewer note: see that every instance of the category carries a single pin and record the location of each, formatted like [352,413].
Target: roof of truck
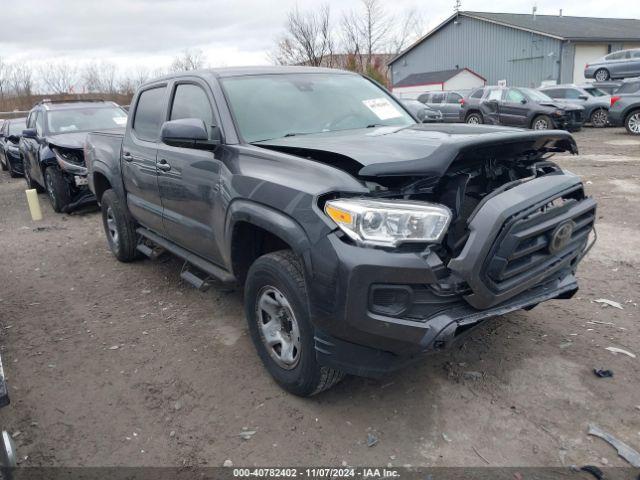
[257,70]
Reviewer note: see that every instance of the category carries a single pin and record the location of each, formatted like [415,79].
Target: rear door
[189,178]
[490,106]
[139,150]
[451,108]
[30,149]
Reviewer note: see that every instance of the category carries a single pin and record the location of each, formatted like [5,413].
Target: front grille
[576,116]
[524,248]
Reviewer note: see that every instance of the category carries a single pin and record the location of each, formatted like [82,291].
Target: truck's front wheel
[119,227]
[276,306]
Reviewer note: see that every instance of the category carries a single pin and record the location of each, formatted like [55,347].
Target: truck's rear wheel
[276,306]
[119,227]
[474,119]
[57,188]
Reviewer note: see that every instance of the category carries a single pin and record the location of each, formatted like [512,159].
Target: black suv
[52,147]
[521,107]
[10,157]
[362,239]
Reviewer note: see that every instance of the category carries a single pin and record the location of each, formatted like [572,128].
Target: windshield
[595,92]
[535,95]
[17,126]
[85,119]
[276,106]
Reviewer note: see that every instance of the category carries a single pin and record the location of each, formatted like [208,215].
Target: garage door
[586,53]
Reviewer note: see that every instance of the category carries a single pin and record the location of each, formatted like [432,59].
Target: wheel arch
[253,229]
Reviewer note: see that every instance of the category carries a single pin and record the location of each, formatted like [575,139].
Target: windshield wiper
[295,134]
[374,125]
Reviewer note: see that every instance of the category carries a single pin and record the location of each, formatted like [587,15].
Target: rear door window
[478,93]
[454,98]
[635,54]
[629,87]
[149,114]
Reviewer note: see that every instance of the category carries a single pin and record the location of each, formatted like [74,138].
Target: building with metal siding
[524,50]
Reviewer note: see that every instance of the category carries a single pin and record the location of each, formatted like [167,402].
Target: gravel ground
[114,364]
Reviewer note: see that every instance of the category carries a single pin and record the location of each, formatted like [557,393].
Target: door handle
[164,165]
[127,157]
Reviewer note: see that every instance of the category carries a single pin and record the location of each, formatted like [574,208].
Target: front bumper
[15,160]
[572,121]
[442,301]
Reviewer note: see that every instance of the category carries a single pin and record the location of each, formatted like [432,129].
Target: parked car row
[363,240]
[566,106]
[47,147]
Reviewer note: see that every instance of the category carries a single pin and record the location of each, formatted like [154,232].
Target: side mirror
[13,138]
[523,101]
[583,97]
[29,133]
[189,133]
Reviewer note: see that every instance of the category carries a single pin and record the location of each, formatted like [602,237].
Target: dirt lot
[113,364]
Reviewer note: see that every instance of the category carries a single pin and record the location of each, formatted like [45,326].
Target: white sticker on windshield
[120,120]
[383,108]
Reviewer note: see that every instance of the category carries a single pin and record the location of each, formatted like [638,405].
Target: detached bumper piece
[83,198]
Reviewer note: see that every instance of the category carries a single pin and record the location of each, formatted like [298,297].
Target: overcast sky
[148,33]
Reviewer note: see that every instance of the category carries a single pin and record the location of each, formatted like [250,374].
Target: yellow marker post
[34,204]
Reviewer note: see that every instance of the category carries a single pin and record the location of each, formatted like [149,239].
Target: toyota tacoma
[363,239]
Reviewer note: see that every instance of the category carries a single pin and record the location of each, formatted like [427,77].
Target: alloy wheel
[112,227]
[473,120]
[602,75]
[541,124]
[50,190]
[599,118]
[634,123]
[278,327]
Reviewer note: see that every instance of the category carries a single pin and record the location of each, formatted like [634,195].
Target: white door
[585,53]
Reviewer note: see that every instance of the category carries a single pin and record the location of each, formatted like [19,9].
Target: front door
[139,151]
[513,108]
[189,178]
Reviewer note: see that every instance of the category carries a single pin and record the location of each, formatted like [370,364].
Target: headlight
[558,113]
[389,222]
[70,161]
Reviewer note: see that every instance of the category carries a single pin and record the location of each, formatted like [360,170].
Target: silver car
[423,113]
[620,64]
[448,102]
[595,101]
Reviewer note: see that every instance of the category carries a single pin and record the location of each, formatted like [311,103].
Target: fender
[46,157]
[271,220]
[111,173]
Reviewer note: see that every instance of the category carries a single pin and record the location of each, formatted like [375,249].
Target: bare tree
[58,77]
[410,28]
[188,60]
[5,74]
[21,80]
[100,77]
[307,40]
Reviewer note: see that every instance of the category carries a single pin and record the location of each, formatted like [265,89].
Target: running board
[152,253]
[192,277]
[198,262]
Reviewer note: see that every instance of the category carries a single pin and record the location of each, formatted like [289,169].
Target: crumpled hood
[68,140]
[422,149]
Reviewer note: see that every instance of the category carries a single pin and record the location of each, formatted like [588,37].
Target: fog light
[390,300]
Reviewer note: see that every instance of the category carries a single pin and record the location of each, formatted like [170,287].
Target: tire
[542,122]
[599,118]
[276,282]
[119,227]
[31,184]
[12,172]
[601,75]
[632,122]
[58,189]
[474,119]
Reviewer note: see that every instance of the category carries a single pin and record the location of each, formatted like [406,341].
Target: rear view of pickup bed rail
[362,239]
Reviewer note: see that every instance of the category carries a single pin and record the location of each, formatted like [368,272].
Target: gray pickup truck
[363,240]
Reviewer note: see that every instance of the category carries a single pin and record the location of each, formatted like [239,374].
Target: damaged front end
[505,230]
[71,163]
